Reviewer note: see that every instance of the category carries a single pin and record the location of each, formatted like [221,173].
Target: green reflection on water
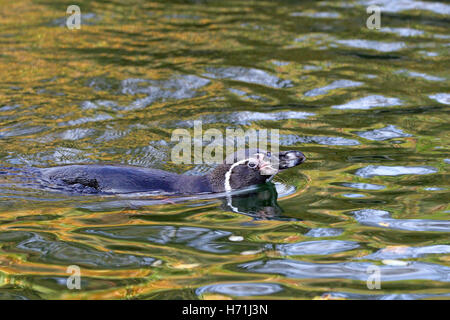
[68,97]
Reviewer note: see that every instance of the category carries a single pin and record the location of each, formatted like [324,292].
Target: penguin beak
[280,161]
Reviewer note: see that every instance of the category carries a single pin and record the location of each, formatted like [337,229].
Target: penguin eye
[252,164]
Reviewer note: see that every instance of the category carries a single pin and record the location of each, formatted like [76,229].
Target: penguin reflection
[260,203]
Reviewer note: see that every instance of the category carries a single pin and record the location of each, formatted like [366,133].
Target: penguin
[242,169]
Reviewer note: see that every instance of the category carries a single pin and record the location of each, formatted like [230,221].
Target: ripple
[429,53]
[425,76]
[320,247]
[370,102]
[17,131]
[320,41]
[241,289]
[69,156]
[404,252]
[403,32]
[96,118]
[349,270]
[245,94]
[373,45]
[106,104]
[182,17]
[202,239]
[442,36]
[109,135]
[179,87]
[199,169]
[364,186]
[280,63]
[247,117]
[443,98]
[394,296]
[67,253]
[11,292]
[102,84]
[386,133]
[87,105]
[324,232]
[370,171]
[147,156]
[405,5]
[248,75]
[287,140]
[284,190]
[10,107]
[320,15]
[312,68]
[353,195]
[381,218]
[76,134]
[338,84]
[433,189]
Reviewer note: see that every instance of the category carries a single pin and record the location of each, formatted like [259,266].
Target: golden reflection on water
[64,99]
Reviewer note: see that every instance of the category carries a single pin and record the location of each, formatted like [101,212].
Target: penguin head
[249,167]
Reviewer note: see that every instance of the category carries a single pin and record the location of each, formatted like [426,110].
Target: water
[368,108]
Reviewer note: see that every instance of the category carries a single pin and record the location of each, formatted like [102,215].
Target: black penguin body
[124,179]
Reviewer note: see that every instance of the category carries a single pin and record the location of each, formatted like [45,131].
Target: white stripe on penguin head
[227,185]
[228,174]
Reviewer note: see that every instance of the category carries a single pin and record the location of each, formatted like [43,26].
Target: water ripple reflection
[349,270]
[381,218]
[241,289]
[321,247]
[368,108]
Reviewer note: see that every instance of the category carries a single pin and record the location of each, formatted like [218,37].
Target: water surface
[369,108]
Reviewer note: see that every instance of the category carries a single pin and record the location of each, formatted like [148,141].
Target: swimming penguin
[252,167]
